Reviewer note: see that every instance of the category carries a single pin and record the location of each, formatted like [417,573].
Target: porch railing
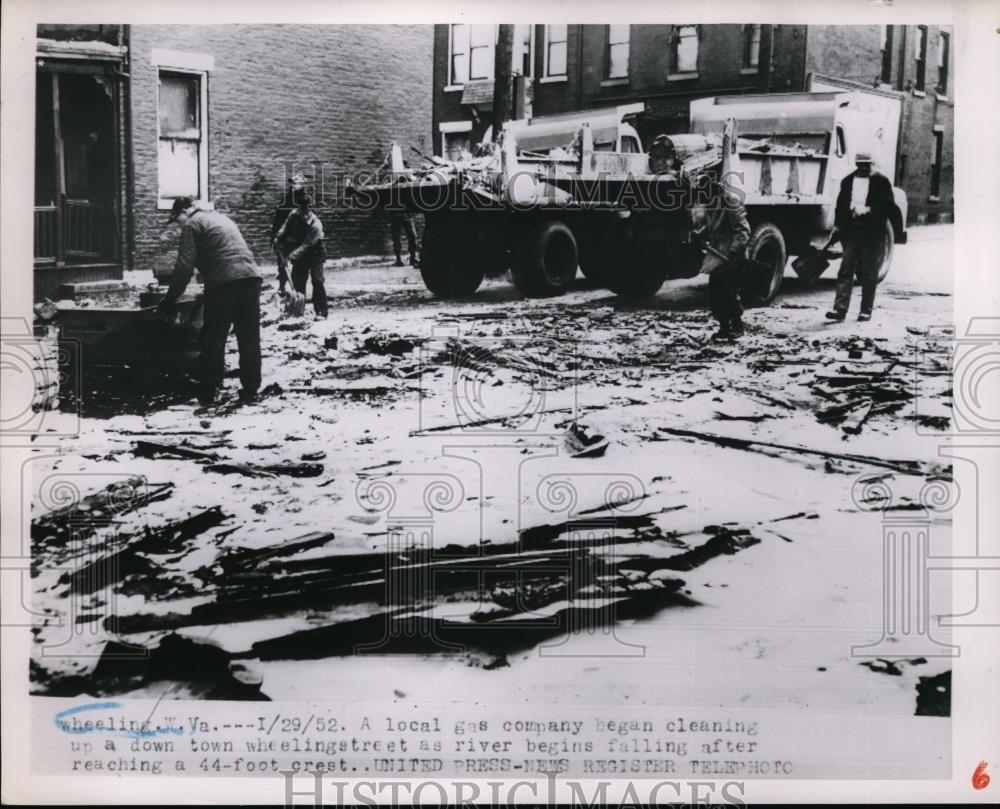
[77,230]
[46,233]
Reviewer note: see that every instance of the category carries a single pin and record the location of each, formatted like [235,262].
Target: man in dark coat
[721,224]
[863,207]
[213,243]
[302,233]
[296,184]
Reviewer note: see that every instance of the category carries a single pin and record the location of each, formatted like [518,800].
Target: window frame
[944,56]
[490,46]
[675,70]
[517,68]
[166,203]
[748,63]
[446,128]
[453,84]
[937,162]
[609,44]
[547,63]
[888,37]
[451,54]
[920,79]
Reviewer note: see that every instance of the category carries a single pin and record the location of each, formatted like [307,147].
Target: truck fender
[897,216]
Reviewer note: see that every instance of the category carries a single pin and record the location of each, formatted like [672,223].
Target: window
[456,138]
[459,73]
[481,41]
[841,148]
[684,53]
[182,147]
[555,50]
[630,145]
[944,47]
[937,152]
[751,46]
[456,144]
[886,74]
[618,48]
[921,51]
[524,50]
[471,52]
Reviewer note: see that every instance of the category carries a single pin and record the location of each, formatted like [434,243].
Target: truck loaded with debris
[555,193]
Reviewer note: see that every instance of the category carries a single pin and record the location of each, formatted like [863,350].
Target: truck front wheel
[448,261]
[887,246]
[545,261]
[766,265]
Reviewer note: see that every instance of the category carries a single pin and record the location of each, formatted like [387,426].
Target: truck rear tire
[767,248]
[448,261]
[545,261]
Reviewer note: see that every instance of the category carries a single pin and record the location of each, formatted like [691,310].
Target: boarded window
[181,132]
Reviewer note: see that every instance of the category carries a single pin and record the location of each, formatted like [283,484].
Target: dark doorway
[76,169]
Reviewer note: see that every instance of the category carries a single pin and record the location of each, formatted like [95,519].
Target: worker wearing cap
[720,224]
[212,242]
[296,184]
[303,234]
[863,207]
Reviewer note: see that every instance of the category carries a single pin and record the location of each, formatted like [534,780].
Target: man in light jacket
[863,207]
[213,243]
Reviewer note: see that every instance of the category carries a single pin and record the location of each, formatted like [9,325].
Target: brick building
[129,117]
[562,68]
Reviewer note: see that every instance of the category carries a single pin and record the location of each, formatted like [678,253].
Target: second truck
[554,194]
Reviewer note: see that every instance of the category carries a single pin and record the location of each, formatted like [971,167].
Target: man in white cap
[863,207]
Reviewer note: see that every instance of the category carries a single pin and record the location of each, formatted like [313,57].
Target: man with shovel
[721,226]
[302,235]
[863,207]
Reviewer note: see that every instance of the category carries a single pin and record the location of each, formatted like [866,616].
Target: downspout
[579,66]
[805,57]
[128,136]
[770,58]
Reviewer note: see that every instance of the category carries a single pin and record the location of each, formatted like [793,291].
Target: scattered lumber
[113,566]
[153,449]
[905,467]
[80,519]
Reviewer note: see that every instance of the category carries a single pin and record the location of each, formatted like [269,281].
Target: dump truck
[557,193]
[793,150]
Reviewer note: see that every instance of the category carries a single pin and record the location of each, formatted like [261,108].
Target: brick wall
[854,52]
[849,52]
[279,95]
[922,113]
[719,72]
